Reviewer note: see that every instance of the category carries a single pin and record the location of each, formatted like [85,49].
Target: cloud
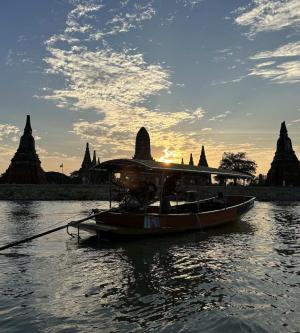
[190,3]
[104,80]
[123,22]
[220,82]
[265,64]
[9,136]
[206,129]
[221,116]
[287,72]
[287,50]
[119,134]
[117,83]
[278,68]
[9,132]
[45,154]
[269,15]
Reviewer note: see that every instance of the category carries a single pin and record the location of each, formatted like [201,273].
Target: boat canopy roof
[150,166]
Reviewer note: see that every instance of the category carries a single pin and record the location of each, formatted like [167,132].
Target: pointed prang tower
[25,166]
[191,162]
[182,162]
[142,145]
[94,161]
[202,159]
[285,168]
[86,164]
[205,179]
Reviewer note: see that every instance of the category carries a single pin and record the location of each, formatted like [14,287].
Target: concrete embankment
[262,193]
[54,192]
[101,192]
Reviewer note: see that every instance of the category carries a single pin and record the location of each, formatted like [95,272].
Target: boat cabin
[147,180]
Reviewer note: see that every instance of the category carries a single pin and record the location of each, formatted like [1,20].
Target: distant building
[142,145]
[94,161]
[203,162]
[143,152]
[84,171]
[86,174]
[202,159]
[198,180]
[25,166]
[285,168]
[191,162]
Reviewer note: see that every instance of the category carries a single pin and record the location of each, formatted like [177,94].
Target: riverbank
[101,192]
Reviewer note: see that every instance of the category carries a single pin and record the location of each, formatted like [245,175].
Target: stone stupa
[25,166]
[285,168]
[142,145]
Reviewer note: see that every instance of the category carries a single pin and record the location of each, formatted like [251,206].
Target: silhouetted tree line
[236,162]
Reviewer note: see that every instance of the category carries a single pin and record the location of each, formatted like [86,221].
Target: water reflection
[181,271]
[226,279]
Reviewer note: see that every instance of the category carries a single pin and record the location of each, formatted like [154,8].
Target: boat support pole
[109,190]
[70,224]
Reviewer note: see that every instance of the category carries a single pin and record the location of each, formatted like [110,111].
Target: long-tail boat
[137,214]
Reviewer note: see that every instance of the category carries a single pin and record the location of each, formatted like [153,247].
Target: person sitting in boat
[219,200]
[168,193]
[140,194]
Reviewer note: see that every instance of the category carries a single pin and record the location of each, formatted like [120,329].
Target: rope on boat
[70,224]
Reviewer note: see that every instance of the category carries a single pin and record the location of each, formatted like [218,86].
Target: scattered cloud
[277,68]
[265,64]
[14,58]
[287,50]
[116,83]
[9,136]
[287,72]
[190,3]
[269,15]
[9,58]
[120,135]
[9,132]
[223,55]
[220,82]
[104,80]
[221,116]
[206,129]
[46,154]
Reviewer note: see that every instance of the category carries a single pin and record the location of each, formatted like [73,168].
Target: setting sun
[169,156]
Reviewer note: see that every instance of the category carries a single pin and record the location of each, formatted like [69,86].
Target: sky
[223,74]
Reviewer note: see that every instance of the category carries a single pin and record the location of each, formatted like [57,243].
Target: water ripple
[240,278]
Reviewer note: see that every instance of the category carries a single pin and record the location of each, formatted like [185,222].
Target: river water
[239,278]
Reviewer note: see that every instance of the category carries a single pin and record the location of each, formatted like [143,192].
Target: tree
[237,162]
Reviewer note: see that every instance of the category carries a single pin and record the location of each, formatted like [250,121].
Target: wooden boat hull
[130,224]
